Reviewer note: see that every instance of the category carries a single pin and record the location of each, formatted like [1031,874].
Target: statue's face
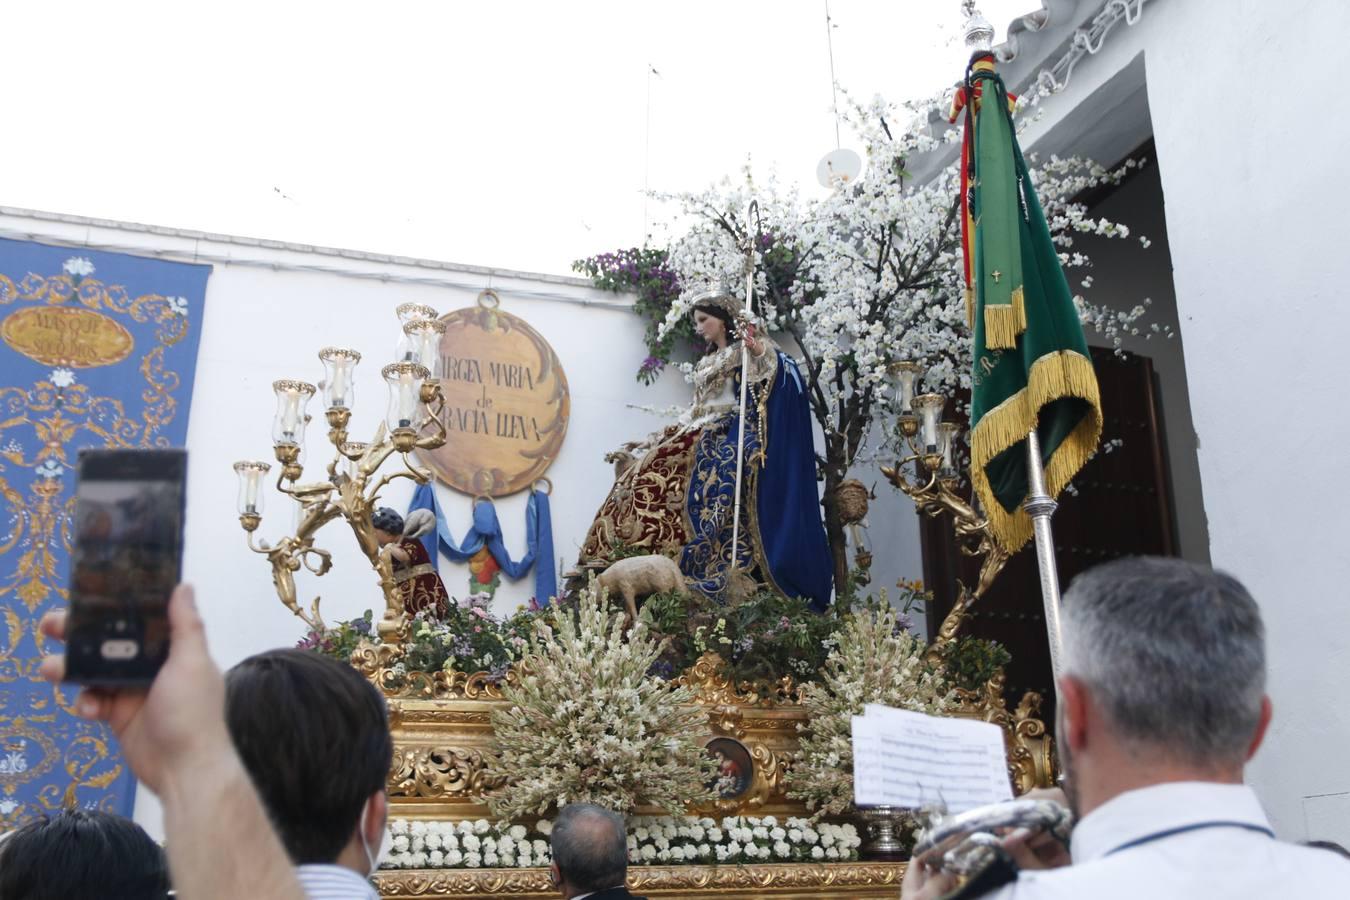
[712,329]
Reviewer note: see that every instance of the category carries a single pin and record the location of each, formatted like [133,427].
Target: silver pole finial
[979,33]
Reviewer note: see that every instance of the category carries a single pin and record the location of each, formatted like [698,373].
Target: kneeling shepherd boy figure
[416,578]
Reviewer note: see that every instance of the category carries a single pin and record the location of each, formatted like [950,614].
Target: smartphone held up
[125,562]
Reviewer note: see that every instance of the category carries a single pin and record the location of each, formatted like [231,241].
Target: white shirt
[593,893]
[1184,841]
[322,882]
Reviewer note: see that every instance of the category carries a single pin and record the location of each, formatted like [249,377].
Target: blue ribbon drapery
[486,531]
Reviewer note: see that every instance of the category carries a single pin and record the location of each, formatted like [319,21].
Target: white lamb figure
[641,576]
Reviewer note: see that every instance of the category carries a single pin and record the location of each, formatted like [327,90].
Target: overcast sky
[510,134]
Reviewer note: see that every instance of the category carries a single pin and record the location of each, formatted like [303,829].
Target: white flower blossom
[50,469]
[78,266]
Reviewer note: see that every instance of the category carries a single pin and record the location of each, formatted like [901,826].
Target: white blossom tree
[868,276]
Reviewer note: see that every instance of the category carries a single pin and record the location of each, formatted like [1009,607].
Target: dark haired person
[418,581]
[82,853]
[314,736]
[1162,702]
[590,854]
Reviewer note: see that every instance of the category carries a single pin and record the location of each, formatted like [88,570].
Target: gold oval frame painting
[506,402]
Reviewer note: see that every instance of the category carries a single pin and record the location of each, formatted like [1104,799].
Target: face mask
[386,842]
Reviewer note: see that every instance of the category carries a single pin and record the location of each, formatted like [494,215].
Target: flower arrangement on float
[585,722]
[874,661]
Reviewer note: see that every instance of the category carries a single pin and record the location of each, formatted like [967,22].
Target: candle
[930,409]
[288,424]
[250,474]
[947,432]
[338,366]
[907,373]
[405,384]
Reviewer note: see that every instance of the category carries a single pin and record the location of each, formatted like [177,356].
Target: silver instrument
[964,844]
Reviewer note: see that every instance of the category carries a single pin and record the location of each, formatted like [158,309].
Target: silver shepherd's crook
[752,213]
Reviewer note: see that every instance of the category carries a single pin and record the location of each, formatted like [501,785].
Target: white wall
[1125,274]
[1242,95]
[267,322]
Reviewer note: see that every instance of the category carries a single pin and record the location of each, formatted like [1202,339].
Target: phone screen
[126,560]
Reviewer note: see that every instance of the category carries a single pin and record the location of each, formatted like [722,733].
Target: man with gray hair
[1162,702]
[590,853]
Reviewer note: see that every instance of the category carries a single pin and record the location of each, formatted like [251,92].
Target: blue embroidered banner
[98,350]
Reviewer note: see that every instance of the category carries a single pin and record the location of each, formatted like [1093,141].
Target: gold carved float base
[442,729]
[783,881]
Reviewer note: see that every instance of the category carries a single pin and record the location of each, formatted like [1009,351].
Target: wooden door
[1122,507]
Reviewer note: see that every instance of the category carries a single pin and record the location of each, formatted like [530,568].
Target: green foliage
[338,641]
[969,662]
[469,639]
[619,550]
[760,640]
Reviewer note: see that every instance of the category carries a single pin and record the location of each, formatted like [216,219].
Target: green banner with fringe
[1031,367]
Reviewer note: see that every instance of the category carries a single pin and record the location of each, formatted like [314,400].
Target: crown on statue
[718,296]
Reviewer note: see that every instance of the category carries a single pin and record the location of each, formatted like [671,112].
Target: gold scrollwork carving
[786,880]
[380,663]
[707,678]
[436,772]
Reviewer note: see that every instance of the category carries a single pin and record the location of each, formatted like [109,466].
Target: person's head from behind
[82,853]
[314,737]
[1164,678]
[590,849]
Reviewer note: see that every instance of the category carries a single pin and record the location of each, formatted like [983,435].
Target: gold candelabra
[414,421]
[933,487]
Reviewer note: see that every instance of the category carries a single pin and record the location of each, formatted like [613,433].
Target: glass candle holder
[251,474]
[288,425]
[906,374]
[339,391]
[947,434]
[423,337]
[929,407]
[411,312]
[352,451]
[408,313]
[405,384]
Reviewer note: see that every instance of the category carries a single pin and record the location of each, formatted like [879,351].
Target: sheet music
[910,759]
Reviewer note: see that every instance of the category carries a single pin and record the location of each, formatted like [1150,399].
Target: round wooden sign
[506,402]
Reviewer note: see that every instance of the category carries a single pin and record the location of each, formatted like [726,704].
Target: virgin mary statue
[677,497]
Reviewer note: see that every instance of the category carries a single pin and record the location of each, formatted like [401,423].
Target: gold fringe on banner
[969,296]
[1064,373]
[1003,322]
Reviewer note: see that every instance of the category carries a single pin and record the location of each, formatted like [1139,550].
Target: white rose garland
[651,841]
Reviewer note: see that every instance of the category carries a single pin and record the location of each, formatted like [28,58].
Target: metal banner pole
[1041,506]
